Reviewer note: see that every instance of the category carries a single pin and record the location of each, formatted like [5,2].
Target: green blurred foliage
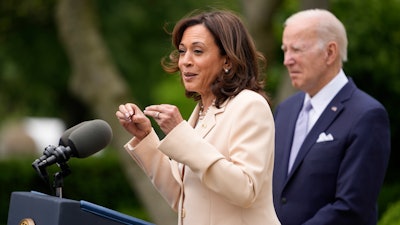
[34,69]
[392,215]
[390,194]
[33,66]
[98,179]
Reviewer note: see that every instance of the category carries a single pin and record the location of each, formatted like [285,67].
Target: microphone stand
[59,178]
[58,181]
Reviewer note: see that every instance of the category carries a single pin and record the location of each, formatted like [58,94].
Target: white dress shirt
[324,97]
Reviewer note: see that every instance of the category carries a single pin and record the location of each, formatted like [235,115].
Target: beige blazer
[220,171]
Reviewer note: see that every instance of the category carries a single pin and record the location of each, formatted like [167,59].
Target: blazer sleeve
[156,166]
[247,127]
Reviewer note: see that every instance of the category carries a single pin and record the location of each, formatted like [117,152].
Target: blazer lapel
[202,128]
[176,171]
[205,126]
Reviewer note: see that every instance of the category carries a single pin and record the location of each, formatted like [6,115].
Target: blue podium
[33,208]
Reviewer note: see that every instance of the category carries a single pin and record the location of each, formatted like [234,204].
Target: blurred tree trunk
[96,81]
[260,18]
[260,15]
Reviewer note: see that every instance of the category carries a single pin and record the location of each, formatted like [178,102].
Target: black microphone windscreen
[90,138]
[64,138]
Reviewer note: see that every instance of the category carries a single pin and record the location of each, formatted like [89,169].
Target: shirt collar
[327,93]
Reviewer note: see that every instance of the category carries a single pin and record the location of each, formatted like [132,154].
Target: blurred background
[66,61]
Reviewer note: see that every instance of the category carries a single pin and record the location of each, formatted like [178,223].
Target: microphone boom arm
[59,178]
[53,153]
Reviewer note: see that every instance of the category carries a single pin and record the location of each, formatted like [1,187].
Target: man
[333,175]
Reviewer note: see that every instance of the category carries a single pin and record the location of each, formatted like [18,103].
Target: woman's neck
[204,107]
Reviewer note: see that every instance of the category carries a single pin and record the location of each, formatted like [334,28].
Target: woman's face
[200,60]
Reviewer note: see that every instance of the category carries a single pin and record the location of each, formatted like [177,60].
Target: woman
[215,168]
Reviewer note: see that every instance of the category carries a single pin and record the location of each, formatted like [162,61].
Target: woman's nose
[186,59]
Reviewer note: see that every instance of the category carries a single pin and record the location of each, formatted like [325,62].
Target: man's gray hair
[328,28]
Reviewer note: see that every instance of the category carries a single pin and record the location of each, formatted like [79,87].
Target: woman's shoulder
[248,99]
[250,96]
[250,104]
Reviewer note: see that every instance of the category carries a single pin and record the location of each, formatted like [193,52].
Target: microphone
[49,150]
[79,141]
[64,138]
[90,138]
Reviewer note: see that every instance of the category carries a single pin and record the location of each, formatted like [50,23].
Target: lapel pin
[334,108]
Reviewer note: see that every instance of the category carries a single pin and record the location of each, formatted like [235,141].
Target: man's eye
[297,49]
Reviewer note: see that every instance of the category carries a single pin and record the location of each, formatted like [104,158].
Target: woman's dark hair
[234,41]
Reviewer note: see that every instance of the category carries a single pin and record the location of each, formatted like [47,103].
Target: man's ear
[332,51]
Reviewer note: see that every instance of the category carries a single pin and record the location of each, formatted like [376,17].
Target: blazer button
[183,213]
[283,200]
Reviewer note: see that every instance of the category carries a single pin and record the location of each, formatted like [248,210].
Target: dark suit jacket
[334,182]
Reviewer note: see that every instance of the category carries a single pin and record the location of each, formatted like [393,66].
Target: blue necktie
[300,133]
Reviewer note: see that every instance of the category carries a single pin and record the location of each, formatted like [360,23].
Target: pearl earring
[226,70]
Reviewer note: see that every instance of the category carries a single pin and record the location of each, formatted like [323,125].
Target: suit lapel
[320,126]
[291,125]
[332,111]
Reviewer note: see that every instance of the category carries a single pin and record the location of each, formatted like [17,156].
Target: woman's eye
[181,51]
[198,51]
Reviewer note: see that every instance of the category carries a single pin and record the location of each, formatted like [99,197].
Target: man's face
[304,57]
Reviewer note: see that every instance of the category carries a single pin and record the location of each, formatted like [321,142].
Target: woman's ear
[227,63]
